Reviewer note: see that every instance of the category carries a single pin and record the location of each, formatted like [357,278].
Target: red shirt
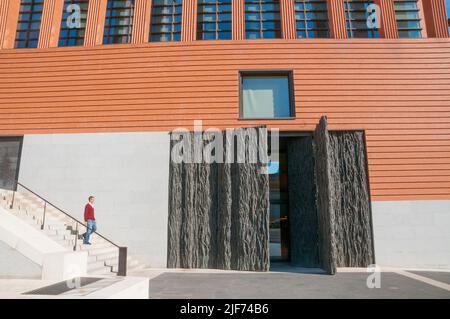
[89,212]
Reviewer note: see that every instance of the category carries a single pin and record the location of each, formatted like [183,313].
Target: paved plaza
[298,285]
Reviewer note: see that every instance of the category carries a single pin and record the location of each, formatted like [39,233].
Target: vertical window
[166,20]
[279,205]
[266,95]
[10,149]
[214,19]
[447,5]
[311,18]
[29,23]
[262,19]
[119,21]
[73,24]
[408,19]
[357,15]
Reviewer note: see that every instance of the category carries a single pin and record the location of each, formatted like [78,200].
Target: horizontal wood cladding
[397,90]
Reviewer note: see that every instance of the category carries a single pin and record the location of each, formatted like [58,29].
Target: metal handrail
[122,265]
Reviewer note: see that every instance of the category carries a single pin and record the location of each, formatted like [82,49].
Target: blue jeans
[91,228]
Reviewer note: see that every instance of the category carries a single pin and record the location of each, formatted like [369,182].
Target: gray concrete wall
[412,233]
[128,173]
[14,265]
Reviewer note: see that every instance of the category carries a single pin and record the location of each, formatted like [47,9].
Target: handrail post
[76,237]
[14,195]
[43,218]
[122,271]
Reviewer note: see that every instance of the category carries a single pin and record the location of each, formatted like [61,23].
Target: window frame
[28,40]
[108,26]
[19,139]
[309,32]
[68,38]
[261,30]
[351,30]
[175,36]
[289,73]
[217,31]
[419,20]
[447,10]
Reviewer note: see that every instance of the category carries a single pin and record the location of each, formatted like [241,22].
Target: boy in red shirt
[89,218]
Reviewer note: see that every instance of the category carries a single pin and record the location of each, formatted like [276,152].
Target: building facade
[91,89]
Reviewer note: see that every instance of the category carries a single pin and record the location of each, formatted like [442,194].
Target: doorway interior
[279,238]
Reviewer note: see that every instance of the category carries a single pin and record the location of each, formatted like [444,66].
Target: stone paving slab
[289,286]
[435,275]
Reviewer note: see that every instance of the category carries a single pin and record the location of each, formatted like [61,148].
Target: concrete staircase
[103,256]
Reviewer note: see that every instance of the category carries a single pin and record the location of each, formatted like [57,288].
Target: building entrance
[279,207]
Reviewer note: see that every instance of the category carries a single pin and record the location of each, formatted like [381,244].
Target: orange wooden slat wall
[398,91]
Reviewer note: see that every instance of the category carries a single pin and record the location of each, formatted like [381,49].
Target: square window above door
[266,95]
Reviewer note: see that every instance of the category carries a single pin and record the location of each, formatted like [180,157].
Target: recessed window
[262,19]
[30,15]
[266,95]
[408,19]
[214,20]
[447,6]
[311,18]
[119,21]
[73,24]
[10,148]
[166,20]
[357,15]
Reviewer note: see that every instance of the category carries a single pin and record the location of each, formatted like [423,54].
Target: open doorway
[293,215]
[279,207]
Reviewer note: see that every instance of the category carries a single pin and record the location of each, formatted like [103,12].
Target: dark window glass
[214,20]
[311,18]
[408,19]
[9,161]
[357,15]
[279,206]
[166,20]
[119,21]
[262,19]
[29,23]
[447,5]
[73,24]
[266,95]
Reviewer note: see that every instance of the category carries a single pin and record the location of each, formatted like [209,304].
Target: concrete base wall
[14,265]
[126,172]
[412,234]
[38,251]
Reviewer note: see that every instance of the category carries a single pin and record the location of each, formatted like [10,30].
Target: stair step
[103,257]
[92,259]
[131,265]
[101,271]
[50,232]
[100,251]
[68,243]
[108,256]
[81,246]
[96,265]
[62,237]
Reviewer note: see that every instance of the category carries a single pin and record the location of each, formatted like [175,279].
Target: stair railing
[123,251]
